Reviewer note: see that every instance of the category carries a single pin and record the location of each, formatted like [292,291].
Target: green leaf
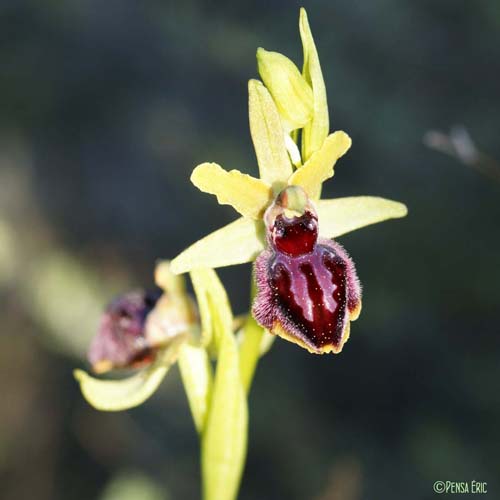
[198,281]
[237,243]
[197,379]
[211,296]
[268,136]
[342,215]
[201,284]
[291,93]
[117,395]
[320,165]
[246,194]
[315,132]
[225,436]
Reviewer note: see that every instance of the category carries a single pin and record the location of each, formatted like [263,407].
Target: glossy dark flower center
[295,235]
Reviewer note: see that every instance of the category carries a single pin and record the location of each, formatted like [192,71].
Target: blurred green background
[105,107]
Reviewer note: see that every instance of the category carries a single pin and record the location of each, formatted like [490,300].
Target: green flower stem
[224,437]
[250,350]
[224,440]
[251,345]
[220,406]
[230,418]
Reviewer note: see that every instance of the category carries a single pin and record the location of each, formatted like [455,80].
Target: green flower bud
[290,91]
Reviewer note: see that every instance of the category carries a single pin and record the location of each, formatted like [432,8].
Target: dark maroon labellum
[120,341]
[308,288]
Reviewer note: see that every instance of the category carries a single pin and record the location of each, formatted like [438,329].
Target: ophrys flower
[273,116]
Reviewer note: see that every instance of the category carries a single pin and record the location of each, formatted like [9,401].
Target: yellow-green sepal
[291,93]
[247,195]
[118,395]
[320,165]
[239,242]
[268,136]
[316,131]
[342,215]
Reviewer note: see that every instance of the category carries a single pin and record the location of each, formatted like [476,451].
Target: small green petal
[196,374]
[117,395]
[224,440]
[315,132]
[291,93]
[268,136]
[342,215]
[320,165]
[237,243]
[246,194]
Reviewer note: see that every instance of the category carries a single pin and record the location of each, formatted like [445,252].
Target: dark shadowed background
[105,107]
